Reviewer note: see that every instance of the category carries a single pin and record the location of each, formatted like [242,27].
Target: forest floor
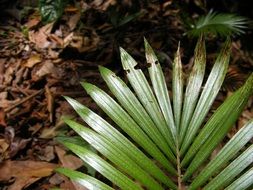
[40,63]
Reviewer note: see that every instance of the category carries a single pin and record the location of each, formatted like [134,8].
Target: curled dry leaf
[24,172]
[15,144]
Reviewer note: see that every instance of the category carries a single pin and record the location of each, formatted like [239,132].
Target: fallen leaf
[40,38]
[2,118]
[67,40]
[3,145]
[50,103]
[47,68]
[53,54]
[72,162]
[68,160]
[74,19]
[33,60]
[23,183]
[102,4]
[3,149]
[32,22]
[57,42]
[15,143]
[85,43]
[5,104]
[2,69]
[3,95]
[47,153]
[49,133]
[8,75]
[35,128]
[19,76]
[24,172]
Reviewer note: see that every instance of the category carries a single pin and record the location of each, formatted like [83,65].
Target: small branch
[23,100]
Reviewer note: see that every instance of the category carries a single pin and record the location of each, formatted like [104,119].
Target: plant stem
[179,180]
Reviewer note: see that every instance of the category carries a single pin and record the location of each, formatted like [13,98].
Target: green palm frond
[222,24]
[166,143]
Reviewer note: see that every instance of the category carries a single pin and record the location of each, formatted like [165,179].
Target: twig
[23,100]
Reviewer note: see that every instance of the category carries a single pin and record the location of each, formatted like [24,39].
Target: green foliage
[25,31]
[51,10]
[119,20]
[168,145]
[221,24]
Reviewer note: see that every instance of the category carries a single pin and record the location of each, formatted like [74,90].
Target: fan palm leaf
[162,143]
[222,24]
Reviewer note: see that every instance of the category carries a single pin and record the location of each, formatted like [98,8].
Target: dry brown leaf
[35,128]
[50,103]
[2,69]
[47,68]
[32,22]
[22,183]
[56,41]
[8,75]
[3,145]
[49,133]
[72,162]
[3,96]
[3,148]
[67,40]
[24,172]
[74,19]
[40,37]
[103,4]
[19,76]
[85,43]
[68,161]
[53,54]
[47,153]
[15,144]
[5,104]
[68,185]
[2,118]
[33,60]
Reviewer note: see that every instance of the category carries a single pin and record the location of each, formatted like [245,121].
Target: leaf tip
[88,87]
[127,61]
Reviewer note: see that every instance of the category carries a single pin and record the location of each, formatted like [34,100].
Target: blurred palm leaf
[168,145]
[51,10]
[221,24]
